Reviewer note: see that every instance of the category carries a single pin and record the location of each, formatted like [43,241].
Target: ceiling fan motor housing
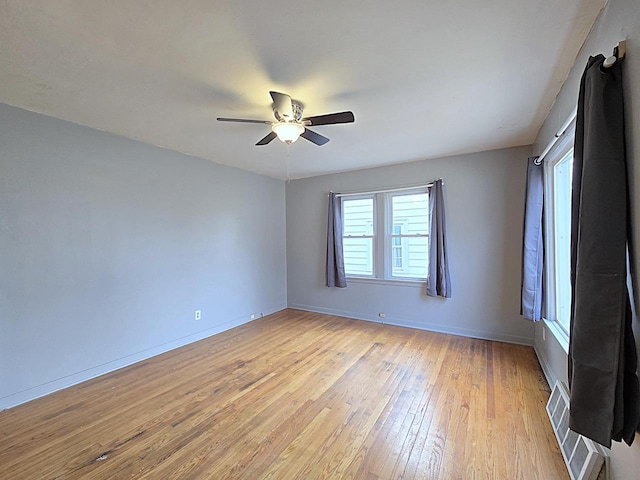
[297,109]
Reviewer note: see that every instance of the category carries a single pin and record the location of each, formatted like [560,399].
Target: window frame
[382,243]
[560,151]
[389,235]
[373,236]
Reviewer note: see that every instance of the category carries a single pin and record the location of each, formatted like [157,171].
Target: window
[558,174]
[358,235]
[410,234]
[386,234]
[562,172]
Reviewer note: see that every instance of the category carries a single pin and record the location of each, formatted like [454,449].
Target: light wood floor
[297,395]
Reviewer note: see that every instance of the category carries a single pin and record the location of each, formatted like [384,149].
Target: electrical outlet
[253,316]
[544,334]
[198,314]
[381,315]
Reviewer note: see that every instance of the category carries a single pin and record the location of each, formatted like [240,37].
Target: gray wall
[108,245]
[619,20]
[484,196]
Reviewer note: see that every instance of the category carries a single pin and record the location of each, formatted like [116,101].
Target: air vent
[585,459]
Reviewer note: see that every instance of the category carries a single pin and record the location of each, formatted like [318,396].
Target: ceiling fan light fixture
[290,124]
[288,132]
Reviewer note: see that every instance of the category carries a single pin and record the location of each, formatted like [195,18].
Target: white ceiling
[424,79]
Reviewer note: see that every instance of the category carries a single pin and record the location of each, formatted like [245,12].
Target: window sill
[558,333]
[388,281]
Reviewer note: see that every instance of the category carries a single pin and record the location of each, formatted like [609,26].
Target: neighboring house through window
[396,248]
[358,235]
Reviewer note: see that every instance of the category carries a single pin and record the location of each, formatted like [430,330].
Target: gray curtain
[438,278]
[532,244]
[605,402]
[335,258]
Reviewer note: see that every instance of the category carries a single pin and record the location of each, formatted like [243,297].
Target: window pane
[409,217]
[358,255]
[414,260]
[358,222]
[562,172]
[358,217]
[411,211]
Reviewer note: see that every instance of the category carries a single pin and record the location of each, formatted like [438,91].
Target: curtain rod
[386,190]
[565,126]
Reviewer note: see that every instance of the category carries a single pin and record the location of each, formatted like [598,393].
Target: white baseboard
[432,327]
[546,368]
[32,393]
[556,340]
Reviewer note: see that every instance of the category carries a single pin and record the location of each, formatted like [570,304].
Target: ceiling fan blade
[283,105]
[267,139]
[242,120]
[314,137]
[330,119]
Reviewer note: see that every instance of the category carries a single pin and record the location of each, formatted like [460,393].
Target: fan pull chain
[287,161]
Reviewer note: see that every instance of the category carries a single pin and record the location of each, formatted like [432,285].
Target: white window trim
[560,149]
[374,266]
[388,234]
[558,332]
[398,282]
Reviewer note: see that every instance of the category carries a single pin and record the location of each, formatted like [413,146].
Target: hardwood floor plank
[297,395]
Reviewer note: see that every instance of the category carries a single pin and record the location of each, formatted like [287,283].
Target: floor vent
[585,459]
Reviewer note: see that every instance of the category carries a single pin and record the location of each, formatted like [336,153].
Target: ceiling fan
[290,124]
